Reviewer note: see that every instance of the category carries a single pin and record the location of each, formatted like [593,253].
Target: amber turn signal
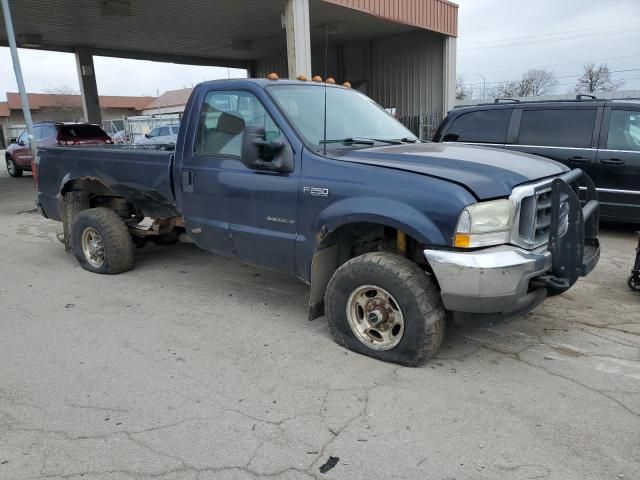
[462,240]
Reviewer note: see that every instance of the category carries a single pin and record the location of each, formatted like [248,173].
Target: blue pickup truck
[392,234]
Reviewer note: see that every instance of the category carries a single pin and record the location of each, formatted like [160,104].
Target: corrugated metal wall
[435,15]
[407,74]
[404,72]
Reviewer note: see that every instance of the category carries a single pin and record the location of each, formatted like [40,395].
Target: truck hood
[486,172]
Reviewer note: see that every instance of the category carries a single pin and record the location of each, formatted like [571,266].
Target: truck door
[229,207]
[617,170]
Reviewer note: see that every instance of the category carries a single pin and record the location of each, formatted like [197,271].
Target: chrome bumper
[490,281]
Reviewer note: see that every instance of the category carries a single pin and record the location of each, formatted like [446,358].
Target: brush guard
[573,243]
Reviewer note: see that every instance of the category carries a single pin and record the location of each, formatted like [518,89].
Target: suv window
[37,132]
[557,127]
[624,130]
[163,131]
[48,133]
[481,126]
[81,130]
[174,130]
[224,118]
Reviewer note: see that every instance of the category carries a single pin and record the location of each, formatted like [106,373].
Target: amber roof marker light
[302,78]
[272,76]
[346,84]
[316,78]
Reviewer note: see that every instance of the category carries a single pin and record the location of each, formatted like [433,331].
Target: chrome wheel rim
[375,317]
[11,167]
[93,247]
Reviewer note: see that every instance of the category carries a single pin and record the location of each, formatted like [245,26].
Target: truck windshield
[352,118]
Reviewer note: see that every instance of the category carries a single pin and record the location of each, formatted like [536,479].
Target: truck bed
[141,174]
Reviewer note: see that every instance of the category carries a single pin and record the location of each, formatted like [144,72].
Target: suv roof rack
[582,96]
[506,100]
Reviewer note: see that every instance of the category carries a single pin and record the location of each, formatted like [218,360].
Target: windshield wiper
[363,141]
[409,140]
[349,141]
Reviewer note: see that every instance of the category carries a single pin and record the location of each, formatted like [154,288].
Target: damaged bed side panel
[142,176]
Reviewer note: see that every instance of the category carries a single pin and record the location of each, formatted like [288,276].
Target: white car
[165,135]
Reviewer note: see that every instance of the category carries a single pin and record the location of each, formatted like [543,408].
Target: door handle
[579,159]
[613,161]
[187,181]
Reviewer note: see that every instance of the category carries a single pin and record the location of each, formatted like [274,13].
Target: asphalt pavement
[193,366]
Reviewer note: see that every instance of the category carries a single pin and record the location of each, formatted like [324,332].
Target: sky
[501,39]
[498,39]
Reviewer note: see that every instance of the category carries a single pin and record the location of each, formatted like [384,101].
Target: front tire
[101,242]
[385,306]
[13,170]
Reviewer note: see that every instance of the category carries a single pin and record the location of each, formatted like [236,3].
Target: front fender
[382,211]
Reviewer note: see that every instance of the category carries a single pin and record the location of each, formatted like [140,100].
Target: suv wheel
[101,241]
[13,169]
[385,306]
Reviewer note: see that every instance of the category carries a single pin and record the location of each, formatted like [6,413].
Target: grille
[535,217]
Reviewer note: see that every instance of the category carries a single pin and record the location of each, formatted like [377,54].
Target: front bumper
[497,283]
[490,281]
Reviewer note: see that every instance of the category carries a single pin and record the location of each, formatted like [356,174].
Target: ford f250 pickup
[318,181]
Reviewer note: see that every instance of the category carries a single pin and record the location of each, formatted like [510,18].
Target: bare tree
[596,79]
[507,89]
[67,104]
[538,82]
[533,83]
[462,91]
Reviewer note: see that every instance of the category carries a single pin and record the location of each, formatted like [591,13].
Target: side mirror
[12,141]
[22,143]
[146,135]
[450,137]
[260,154]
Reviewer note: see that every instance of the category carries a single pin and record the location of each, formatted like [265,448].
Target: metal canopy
[225,32]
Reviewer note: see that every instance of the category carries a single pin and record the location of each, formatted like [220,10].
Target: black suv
[602,137]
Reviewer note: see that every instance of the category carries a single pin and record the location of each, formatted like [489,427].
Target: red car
[19,155]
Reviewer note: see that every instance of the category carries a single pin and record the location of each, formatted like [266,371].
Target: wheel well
[352,240]
[99,195]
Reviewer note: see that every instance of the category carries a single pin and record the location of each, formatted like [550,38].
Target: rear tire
[101,242]
[634,282]
[13,170]
[413,310]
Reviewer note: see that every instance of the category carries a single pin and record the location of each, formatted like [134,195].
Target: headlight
[484,223]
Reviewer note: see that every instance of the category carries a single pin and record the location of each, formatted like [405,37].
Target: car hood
[486,172]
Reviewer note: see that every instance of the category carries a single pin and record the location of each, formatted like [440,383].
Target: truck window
[224,118]
[624,130]
[482,126]
[163,132]
[557,127]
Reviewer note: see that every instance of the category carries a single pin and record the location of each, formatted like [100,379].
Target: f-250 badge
[316,191]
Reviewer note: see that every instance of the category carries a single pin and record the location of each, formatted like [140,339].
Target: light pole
[11,36]
[484,85]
